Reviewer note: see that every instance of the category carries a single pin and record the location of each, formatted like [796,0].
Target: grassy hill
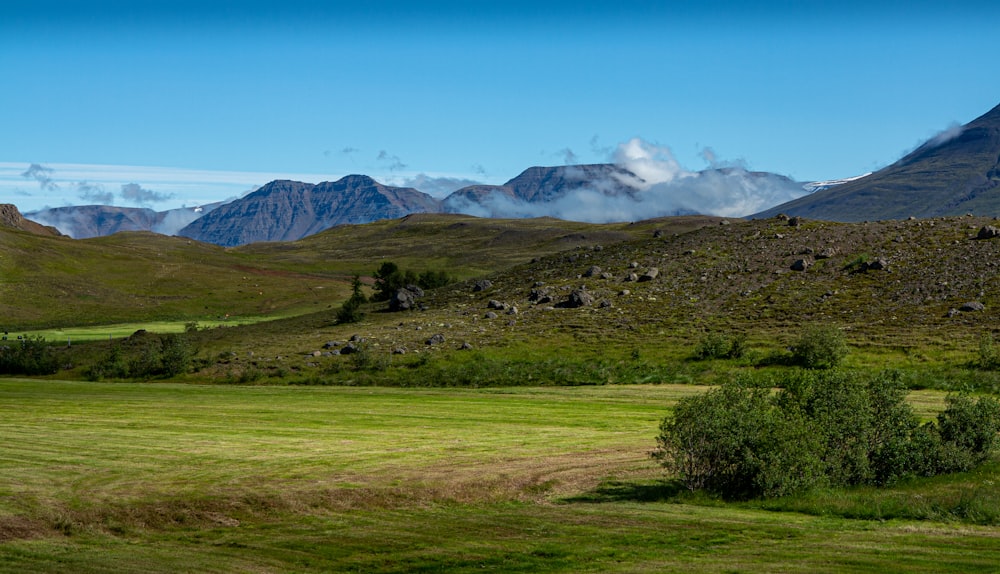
[57,282]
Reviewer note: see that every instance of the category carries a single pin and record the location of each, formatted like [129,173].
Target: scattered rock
[331,344]
[607,276]
[827,253]
[465,347]
[632,277]
[972,306]
[490,315]
[633,265]
[481,285]
[435,339]
[358,339]
[512,310]
[624,292]
[658,234]
[800,265]
[794,221]
[399,351]
[604,304]
[649,275]
[349,348]
[879,264]
[593,271]
[494,304]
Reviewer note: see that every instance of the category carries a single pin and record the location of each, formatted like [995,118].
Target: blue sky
[165,104]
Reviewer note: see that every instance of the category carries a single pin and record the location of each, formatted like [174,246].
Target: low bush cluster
[27,355]
[144,356]
[830,428]
[389,278]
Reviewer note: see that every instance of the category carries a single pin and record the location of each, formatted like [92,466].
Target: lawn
[105,477]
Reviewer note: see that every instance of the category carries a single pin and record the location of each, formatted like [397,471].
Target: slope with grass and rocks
[913,292]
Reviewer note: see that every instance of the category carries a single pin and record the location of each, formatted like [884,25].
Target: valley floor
[122,477]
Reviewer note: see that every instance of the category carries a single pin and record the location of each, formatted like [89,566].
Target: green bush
[144,357]
[819,347]
[28,355]
[740,440]
[718,346]
[389,278]
[989,355]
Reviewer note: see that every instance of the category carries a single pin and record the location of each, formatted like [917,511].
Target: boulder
[435,339]
[988,232]
[578,298]
[482,285]
[650,274]
[800,265]
[405,298]
[972,306]
[593,271]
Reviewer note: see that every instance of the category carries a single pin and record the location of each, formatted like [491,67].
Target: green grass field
[118,477]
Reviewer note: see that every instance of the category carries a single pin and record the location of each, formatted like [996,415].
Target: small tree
[350,310]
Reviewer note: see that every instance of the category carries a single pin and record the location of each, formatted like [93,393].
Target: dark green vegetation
[389,277]
[100,477]
[742,441]
[27,355]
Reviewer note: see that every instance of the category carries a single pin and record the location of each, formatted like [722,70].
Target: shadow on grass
[632,491]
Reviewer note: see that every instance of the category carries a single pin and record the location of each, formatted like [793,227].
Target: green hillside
[57,282]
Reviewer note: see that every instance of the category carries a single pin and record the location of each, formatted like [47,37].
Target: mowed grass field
[106,477]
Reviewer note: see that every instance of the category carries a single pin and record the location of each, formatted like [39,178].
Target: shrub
[989,356]
[718,346]
[733,441]
[28,355]
[389,278]
[835,429]
[143,358]
[819,347]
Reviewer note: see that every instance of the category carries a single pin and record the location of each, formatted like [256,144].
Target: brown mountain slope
[12,218]
[952,174]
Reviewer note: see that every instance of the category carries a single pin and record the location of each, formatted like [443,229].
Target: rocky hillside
[10,217]
[889,283]
[290,210]
[955,173]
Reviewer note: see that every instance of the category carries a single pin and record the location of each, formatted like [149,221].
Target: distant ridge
[288,210]
[954,173]
[85,221]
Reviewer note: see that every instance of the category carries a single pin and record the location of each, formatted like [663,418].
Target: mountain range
[954,173]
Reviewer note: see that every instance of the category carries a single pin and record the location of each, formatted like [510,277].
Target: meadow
[125,477]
